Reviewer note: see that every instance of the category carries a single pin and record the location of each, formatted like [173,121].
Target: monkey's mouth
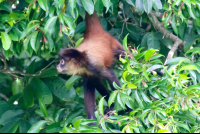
[59,70]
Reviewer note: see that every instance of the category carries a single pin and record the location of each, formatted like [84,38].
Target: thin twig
[24,74]
[177,41]
[4,97]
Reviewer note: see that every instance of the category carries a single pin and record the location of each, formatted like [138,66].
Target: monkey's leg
[109,74]
[89,98]
[103,91]
[101,88]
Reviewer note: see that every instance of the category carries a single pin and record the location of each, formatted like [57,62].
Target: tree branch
[7,71]
[172,51]
[3,58]
[4,97]
[177,42]
[158,14]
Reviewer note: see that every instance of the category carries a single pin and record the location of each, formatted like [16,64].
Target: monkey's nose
[59,69]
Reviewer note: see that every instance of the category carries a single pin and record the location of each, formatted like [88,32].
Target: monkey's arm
[109,74]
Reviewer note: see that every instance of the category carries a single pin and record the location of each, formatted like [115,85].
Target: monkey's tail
[93,25]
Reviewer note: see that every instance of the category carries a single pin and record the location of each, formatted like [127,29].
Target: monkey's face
[61,65]
[66,66]
[70,61]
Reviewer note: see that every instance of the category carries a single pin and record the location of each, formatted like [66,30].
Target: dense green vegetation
[159,34]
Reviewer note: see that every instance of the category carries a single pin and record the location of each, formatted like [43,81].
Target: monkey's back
[100,48]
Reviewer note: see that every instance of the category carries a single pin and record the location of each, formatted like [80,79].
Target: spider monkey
[92,60]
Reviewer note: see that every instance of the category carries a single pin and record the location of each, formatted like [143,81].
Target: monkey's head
[71,61]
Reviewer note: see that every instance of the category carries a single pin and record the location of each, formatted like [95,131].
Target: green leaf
[144,40]
[125,43]
[119,99]
[130,2]
[139,6]
[79,42]
[107,4]
[151,118]
[42,91]
[27,31]
[13,36]
[58,88]
[189,67]
[28,96]
[54,128]
[132,86]
[43,4]
[10,128]
[6,41]
[72,115]
[10,116]
[182,29]
[174,24]
[6,7]
[149,54]
[17,87]
[77,124]
[188,3]
[155,93]
[70,82]
[24,126]
[175,60]
[192,13]
[190,39]
[153,42]
[88,5]
[116,86]
[30,70]
[26,42]
[33,22]
[122,118]
[57,114]
[101,106]
[144,96]
[130,70]
[163,131]
[112,98]
[43,107]
[72,4]
[50,21]
[167,19]
[103,124]
[51,42]
[48,73]
[144,113]
[158,4]
[4,107]
[194,50]
[139,100]
[185,126]
[147,5]
[37,126]
[33,40]
[98,6]
[69,22]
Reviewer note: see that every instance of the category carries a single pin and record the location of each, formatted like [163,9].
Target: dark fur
[93,60]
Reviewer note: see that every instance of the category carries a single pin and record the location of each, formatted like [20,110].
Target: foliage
[35,98]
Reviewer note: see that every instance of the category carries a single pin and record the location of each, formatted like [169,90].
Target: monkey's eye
[62,62]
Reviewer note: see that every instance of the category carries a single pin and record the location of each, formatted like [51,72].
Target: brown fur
[92,60]
[98,49]
[99,45]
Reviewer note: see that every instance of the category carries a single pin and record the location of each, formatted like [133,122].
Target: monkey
[92,60]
